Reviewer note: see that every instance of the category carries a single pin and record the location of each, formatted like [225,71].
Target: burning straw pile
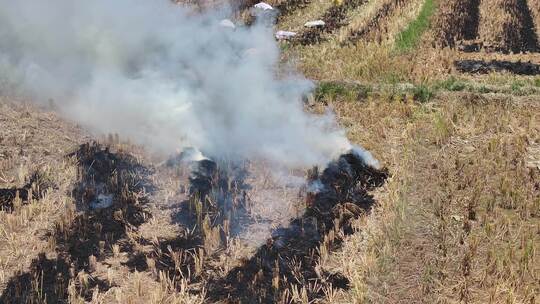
[291,256]
[220,209]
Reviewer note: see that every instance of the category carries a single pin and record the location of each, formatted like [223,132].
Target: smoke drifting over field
[161,76]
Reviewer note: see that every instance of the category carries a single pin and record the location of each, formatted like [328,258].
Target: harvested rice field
[289,151]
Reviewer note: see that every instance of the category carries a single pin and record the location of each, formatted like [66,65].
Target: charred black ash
[90,233]
[292,252]
[485,67]
[218,201]
[204,174]
[35,189]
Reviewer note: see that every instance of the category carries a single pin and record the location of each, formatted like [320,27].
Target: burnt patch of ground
[181,258]
[221,191]
[218,205]
[102,172]
[216,210]
[86,237]
[470,30]
[48,282]
[485,67]
[48,279]
[291,256]
[528,29]
[457,20]
[469,46]
[34,190]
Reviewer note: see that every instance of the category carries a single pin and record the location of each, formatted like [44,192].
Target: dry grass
[377,26]
[32,142]
[369,61]
[459,220]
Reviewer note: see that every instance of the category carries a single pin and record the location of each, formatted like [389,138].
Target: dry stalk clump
[506,26]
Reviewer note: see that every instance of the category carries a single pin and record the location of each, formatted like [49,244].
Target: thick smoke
[164,77]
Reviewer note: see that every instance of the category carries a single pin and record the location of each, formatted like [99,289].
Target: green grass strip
[408,39]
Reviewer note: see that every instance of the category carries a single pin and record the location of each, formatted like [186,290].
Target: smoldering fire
[164,77]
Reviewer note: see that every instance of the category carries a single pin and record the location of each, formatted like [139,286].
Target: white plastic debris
[251,52]
[102,201]
[316,23]
[284,35]
[227,23]
[263,6]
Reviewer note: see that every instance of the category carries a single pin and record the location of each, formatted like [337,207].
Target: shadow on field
[110,197]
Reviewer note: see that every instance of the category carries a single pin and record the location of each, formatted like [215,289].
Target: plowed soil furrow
[456,20]
[367,31]
[506,26]
[333,18]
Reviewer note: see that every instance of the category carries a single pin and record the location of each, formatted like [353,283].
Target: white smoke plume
[164,77]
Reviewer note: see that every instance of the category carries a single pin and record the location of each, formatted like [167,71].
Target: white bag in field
[251,52]
[227,23]
[316,23]
[284,35]
[263,6]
